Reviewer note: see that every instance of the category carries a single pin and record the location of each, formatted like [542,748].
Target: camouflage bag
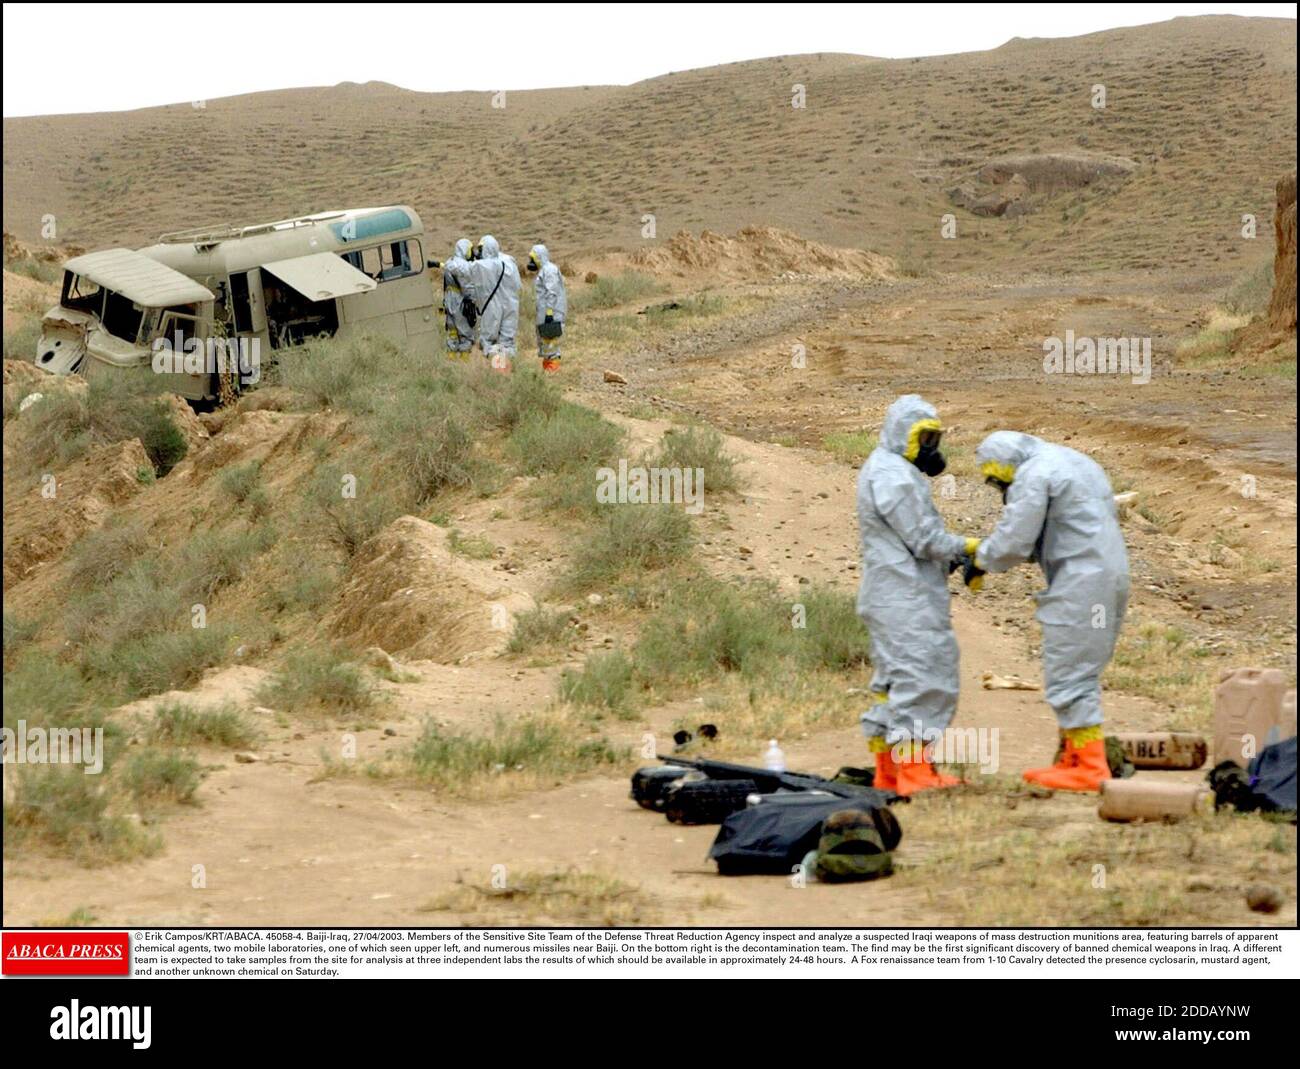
[850,848]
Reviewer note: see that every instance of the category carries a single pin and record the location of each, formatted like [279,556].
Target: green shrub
[114,408]
[538,628]
[104,553]
[698,447]
[242,480]
[610,291]
[40,687]
[69,812]
[349,522]
[832,636]
[605,682]
[179,724]
[569,440]
[539,745]
[320,679]
[154,776]
[630,539]
[708,627]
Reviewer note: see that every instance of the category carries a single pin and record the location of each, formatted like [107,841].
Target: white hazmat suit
[1060,511]
[904,599]
[496,288]
[457,284]
[550,298]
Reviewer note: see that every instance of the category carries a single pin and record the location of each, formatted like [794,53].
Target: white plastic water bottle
[774,758]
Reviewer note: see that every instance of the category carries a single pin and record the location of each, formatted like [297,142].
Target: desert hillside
[1200,111]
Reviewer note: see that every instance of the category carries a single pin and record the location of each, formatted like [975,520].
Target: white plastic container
[774,757]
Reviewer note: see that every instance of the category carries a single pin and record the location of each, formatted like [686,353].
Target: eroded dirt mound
[1012,185]
[41,523]
[409,594]
[756,252]
[1281,308]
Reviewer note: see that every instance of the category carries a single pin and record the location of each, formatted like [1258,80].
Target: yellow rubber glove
[972,545]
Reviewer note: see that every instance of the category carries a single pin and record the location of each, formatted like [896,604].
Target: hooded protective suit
[457,284]
[496,289]
[1060,510]
[904,598]
[548,289]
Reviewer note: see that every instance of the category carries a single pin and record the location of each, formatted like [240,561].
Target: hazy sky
[111,57]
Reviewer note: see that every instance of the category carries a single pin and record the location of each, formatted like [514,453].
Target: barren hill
[872,161]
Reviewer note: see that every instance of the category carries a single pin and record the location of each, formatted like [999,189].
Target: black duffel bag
[772,837]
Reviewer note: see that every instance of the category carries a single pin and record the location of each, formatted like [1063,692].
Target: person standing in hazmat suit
[1059,510]
[457,299]
[552,306]
[907,554]
[496,289]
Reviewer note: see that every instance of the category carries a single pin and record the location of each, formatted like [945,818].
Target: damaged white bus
[209,306]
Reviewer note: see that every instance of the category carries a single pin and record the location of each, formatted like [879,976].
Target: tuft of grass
[114,408]
[242,481]
[160,776]
[475,547]
[569,440]
[850,447]
[611,291]
[1250,293]
[318,679]
[18,634]
[631,538]
[699,447]
[68,813]
[39,687]
[180,724]
[104,553]
[605,682]
[538,628]
[541,747]
[348,507]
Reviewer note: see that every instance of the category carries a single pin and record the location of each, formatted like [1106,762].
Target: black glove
[549,319]
[970,575]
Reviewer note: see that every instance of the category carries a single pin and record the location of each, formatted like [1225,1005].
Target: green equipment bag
[850,849]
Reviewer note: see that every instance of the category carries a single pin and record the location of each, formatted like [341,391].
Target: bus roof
[139,278]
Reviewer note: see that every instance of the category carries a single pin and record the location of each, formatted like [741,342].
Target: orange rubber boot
[886,777]
[1081,768]
[551,363]
[916,773]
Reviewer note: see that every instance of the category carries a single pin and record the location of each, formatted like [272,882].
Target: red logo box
[66,954]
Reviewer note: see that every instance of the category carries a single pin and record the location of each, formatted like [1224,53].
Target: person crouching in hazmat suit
[907,554]
[496,288]
[457,299]
[552,306]
[1059,510]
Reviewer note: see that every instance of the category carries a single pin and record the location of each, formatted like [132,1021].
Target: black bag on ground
[1267,786]
[706,801]
[649,784]
[774,836]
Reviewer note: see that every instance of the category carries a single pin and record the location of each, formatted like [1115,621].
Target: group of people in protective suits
[1059,512]
[480,301]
